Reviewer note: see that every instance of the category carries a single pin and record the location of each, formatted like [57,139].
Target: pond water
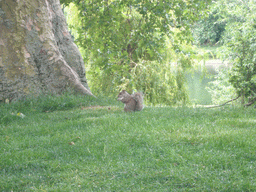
[198,81]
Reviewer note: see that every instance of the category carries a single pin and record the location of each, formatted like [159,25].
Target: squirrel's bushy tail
[138,97]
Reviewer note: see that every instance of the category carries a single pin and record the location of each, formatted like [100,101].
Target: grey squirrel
[133,102]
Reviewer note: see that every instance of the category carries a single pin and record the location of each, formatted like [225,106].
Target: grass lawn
[64,145]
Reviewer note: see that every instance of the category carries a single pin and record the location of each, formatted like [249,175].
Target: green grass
[79,148]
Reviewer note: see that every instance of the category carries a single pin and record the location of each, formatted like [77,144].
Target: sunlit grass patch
[93,148]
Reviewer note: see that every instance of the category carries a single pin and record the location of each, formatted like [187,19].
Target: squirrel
[133,102]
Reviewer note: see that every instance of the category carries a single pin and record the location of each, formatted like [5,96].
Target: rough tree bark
[37,53]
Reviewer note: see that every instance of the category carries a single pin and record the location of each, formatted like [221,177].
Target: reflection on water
[198,81]
[197,92]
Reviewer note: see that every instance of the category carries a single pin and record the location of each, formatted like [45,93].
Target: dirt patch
[96,107]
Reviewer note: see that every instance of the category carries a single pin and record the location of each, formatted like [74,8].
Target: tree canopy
[134,41]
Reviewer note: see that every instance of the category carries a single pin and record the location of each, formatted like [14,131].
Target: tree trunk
[37,53]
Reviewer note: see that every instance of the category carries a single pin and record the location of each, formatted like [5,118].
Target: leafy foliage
[117,38]
[243,54]
[240,48]
[237,22]
[209,31]
[220,88]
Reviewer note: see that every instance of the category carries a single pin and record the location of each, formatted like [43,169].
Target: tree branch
[250,102]
[224,103]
